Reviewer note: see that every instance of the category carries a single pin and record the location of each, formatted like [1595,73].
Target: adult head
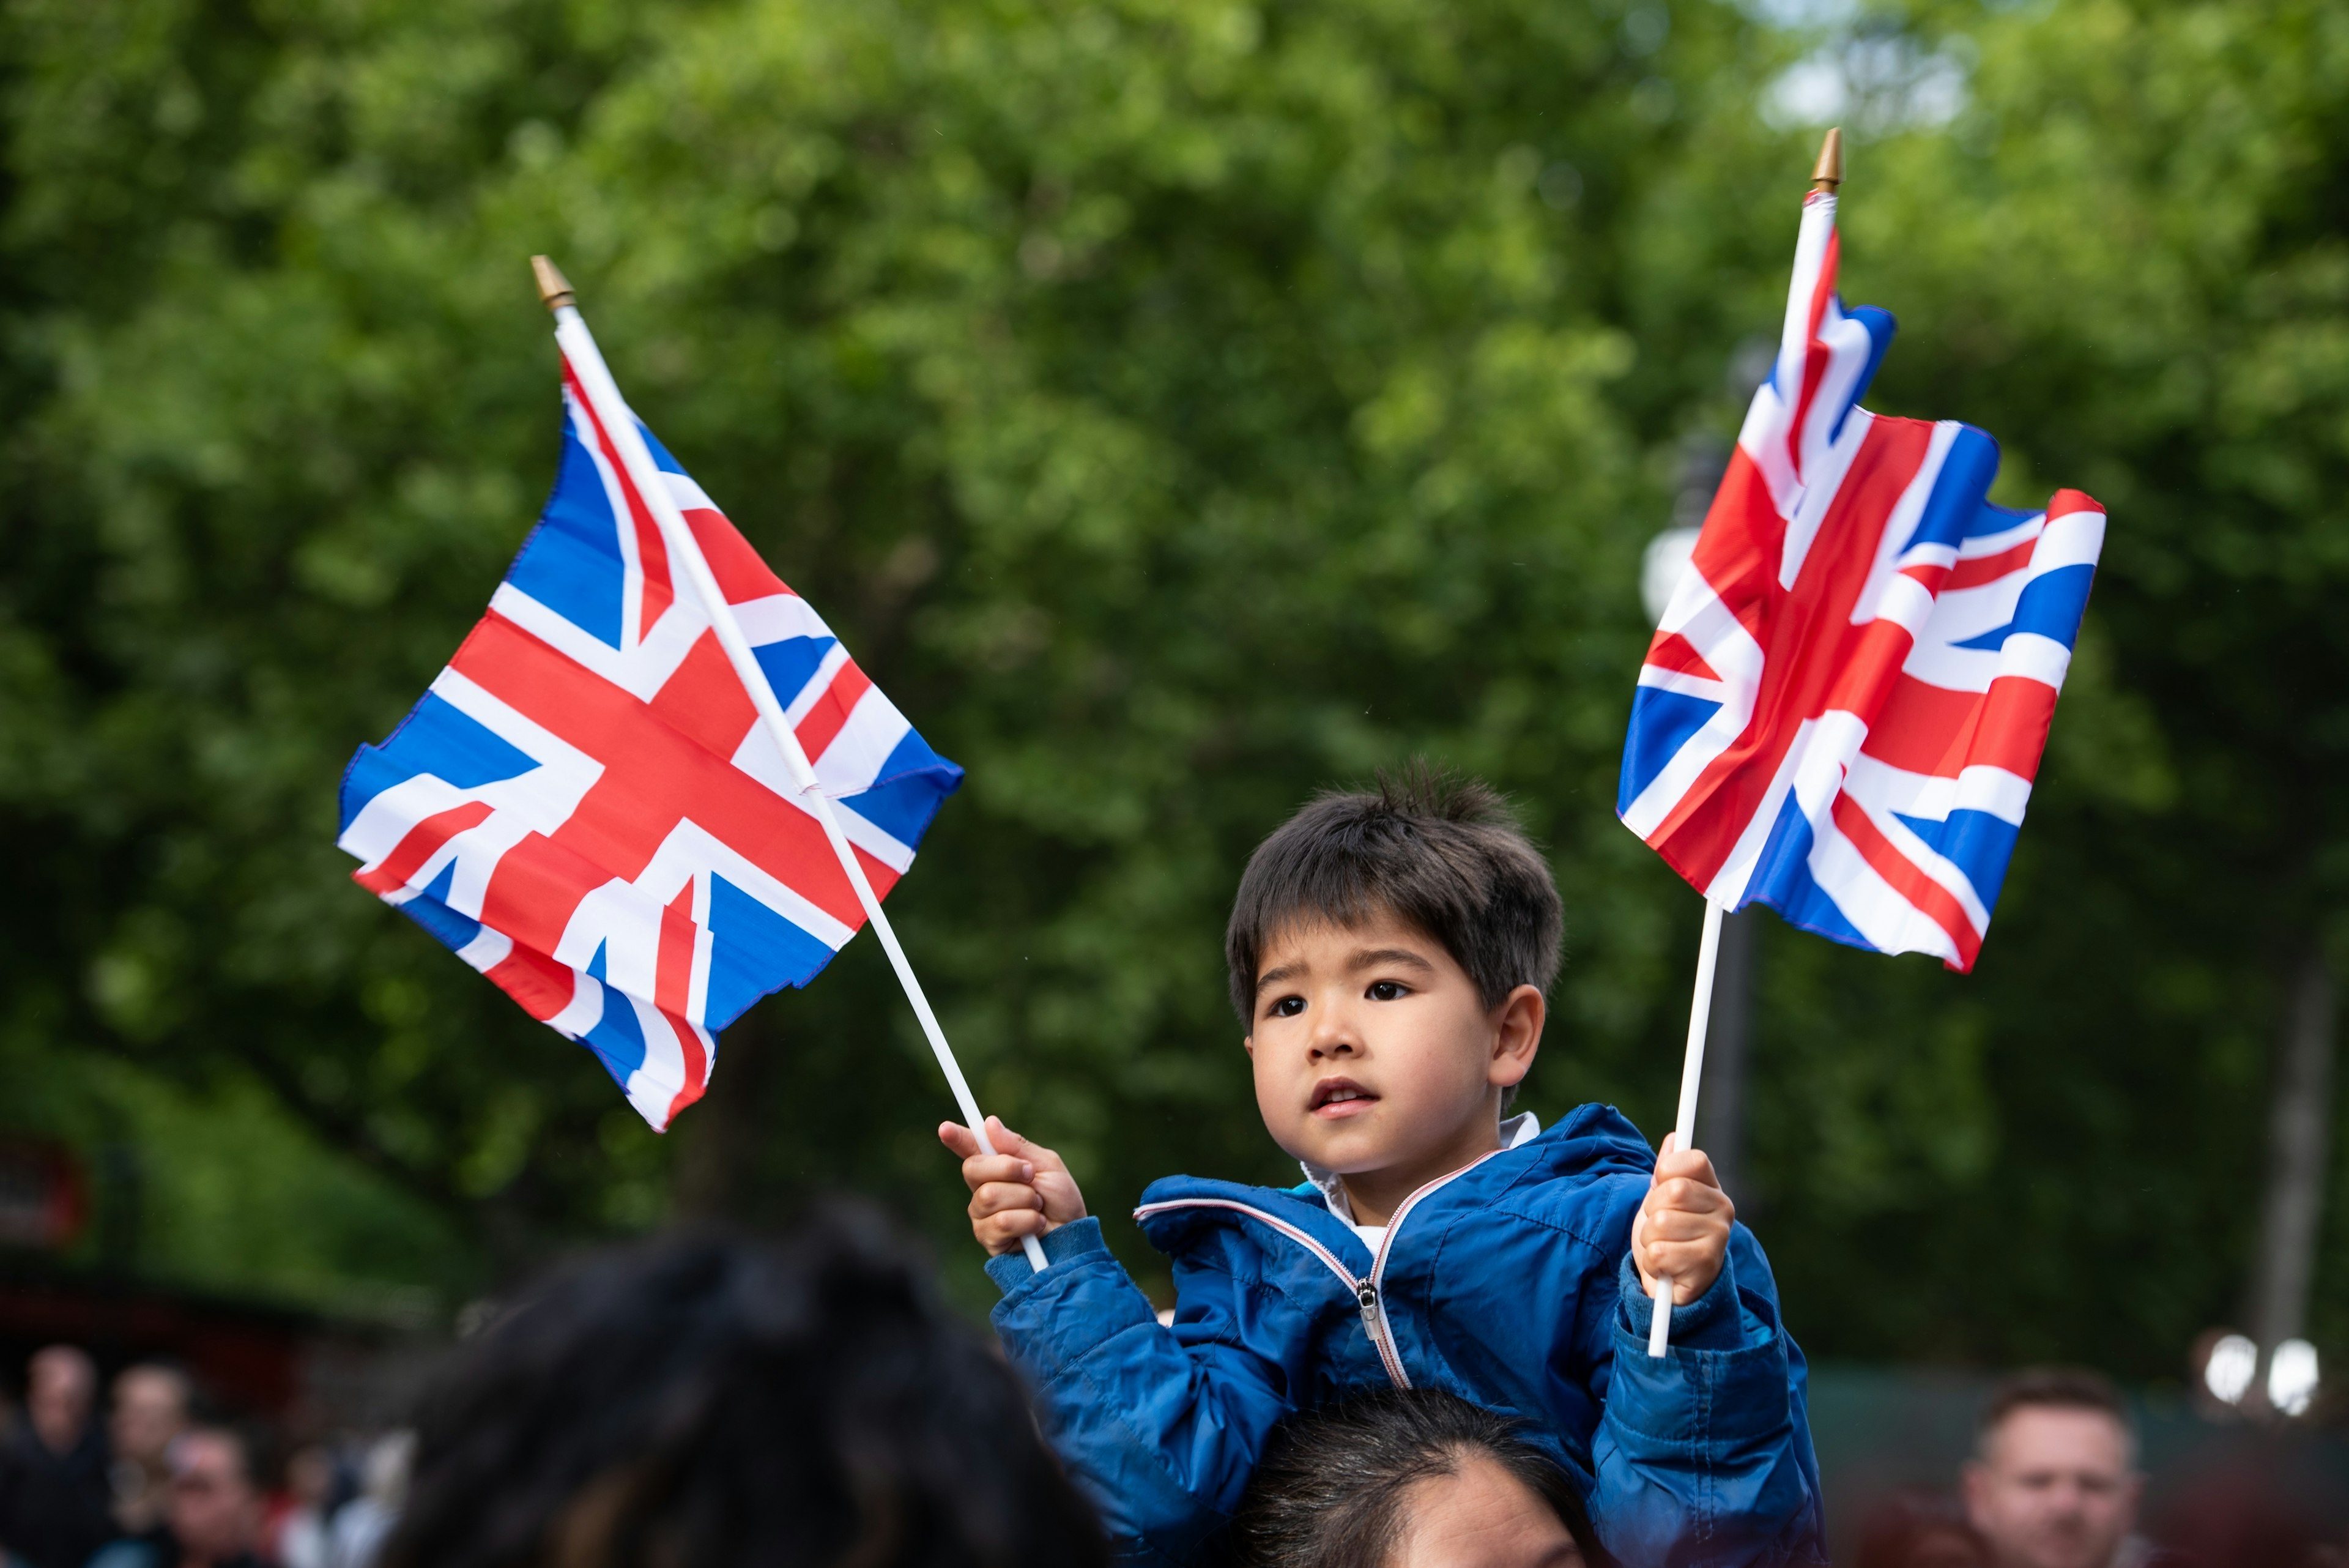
[1409,1478]
[60,1393]
[2054,1481]
[704,1400]
[215,1508]
[150,1409]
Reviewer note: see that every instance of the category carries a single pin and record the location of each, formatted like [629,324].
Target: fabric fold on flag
[584,807]
[1844,708]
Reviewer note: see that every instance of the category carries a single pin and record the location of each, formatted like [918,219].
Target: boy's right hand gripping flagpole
[1826,176]
[603,394]
[1708,954]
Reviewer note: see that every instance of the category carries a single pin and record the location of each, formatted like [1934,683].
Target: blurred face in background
[2055,1487]
[151,1408]
[215,1512]
[62,1392]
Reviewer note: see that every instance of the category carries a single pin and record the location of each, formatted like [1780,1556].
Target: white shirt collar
[1515,1130]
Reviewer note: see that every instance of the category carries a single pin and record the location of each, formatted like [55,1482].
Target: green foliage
[1179,408]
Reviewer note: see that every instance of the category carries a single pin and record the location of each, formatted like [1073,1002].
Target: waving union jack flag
[587,809]
[1845,706]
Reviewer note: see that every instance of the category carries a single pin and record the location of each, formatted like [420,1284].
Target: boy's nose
[1333,1036]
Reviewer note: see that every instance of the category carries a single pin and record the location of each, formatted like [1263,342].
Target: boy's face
[1374,1055]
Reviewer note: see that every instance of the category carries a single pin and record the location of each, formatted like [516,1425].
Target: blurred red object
[44,1197]
[1920,1530]
[2241,1514]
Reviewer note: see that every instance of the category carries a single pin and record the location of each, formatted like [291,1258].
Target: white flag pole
[612,412]
[1708,954]
[1826,177]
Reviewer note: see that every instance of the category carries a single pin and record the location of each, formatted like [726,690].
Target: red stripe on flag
[1932,900]
[1815,354]
[420,844]
[2063,503]
[652,553]
[653,777]
[2013,734]
[741,574]
[828,715]
[696,1072]
[1738,551]
[705,701]
[672,993]
[1674,652]
[542,986]
[1866,673]
[673,969]
[1974,571]
[1925,729]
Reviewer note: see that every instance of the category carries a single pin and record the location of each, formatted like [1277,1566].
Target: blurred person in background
[313,1485]
[362,1525]
[151,1406]
[53,1497]
[2053,1482]
[705,1399]
[1921,1530]
[1409,1478]
[213,1516]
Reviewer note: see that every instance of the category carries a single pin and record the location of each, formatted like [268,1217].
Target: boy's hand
[1021,1189]
[1681,1231]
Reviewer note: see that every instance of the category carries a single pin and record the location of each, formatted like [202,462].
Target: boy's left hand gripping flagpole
[603,394]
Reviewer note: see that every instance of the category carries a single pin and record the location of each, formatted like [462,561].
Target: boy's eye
[1288,1007]
[1388,990]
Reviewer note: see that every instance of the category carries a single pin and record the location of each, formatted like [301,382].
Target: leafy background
[1179,408]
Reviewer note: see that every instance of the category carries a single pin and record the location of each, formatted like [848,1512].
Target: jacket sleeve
[1160,1426]
[1703,1457]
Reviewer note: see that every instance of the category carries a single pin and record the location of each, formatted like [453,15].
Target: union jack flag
[1844,708]
[587,809]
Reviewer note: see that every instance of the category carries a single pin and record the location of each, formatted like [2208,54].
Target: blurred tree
[1179,408]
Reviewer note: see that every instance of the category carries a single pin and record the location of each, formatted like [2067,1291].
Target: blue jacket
[1509,1283]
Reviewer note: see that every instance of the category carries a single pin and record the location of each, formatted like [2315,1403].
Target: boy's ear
[1517,1028]
[1247,1043]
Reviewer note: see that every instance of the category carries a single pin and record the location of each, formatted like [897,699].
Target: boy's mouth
[1338,1098]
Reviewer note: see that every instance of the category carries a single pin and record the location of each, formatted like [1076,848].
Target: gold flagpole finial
[553,287]
[1827,173]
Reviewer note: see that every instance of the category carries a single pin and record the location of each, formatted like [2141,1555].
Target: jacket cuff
[1712,1322]
[1064,1244]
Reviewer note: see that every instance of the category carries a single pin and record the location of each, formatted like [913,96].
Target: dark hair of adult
[2052,1388]
[704,1400]
[1436,851]
[1330,1490]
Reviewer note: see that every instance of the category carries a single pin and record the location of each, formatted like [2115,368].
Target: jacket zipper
[1366,1288]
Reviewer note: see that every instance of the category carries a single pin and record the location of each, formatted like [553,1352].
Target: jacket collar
[1515,1130]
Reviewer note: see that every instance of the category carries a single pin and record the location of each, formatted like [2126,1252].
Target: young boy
[1389,955]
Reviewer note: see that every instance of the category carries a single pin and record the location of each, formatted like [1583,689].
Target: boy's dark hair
[1329,1490]
[1436,851]
[705,1399]
[2052,1388]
